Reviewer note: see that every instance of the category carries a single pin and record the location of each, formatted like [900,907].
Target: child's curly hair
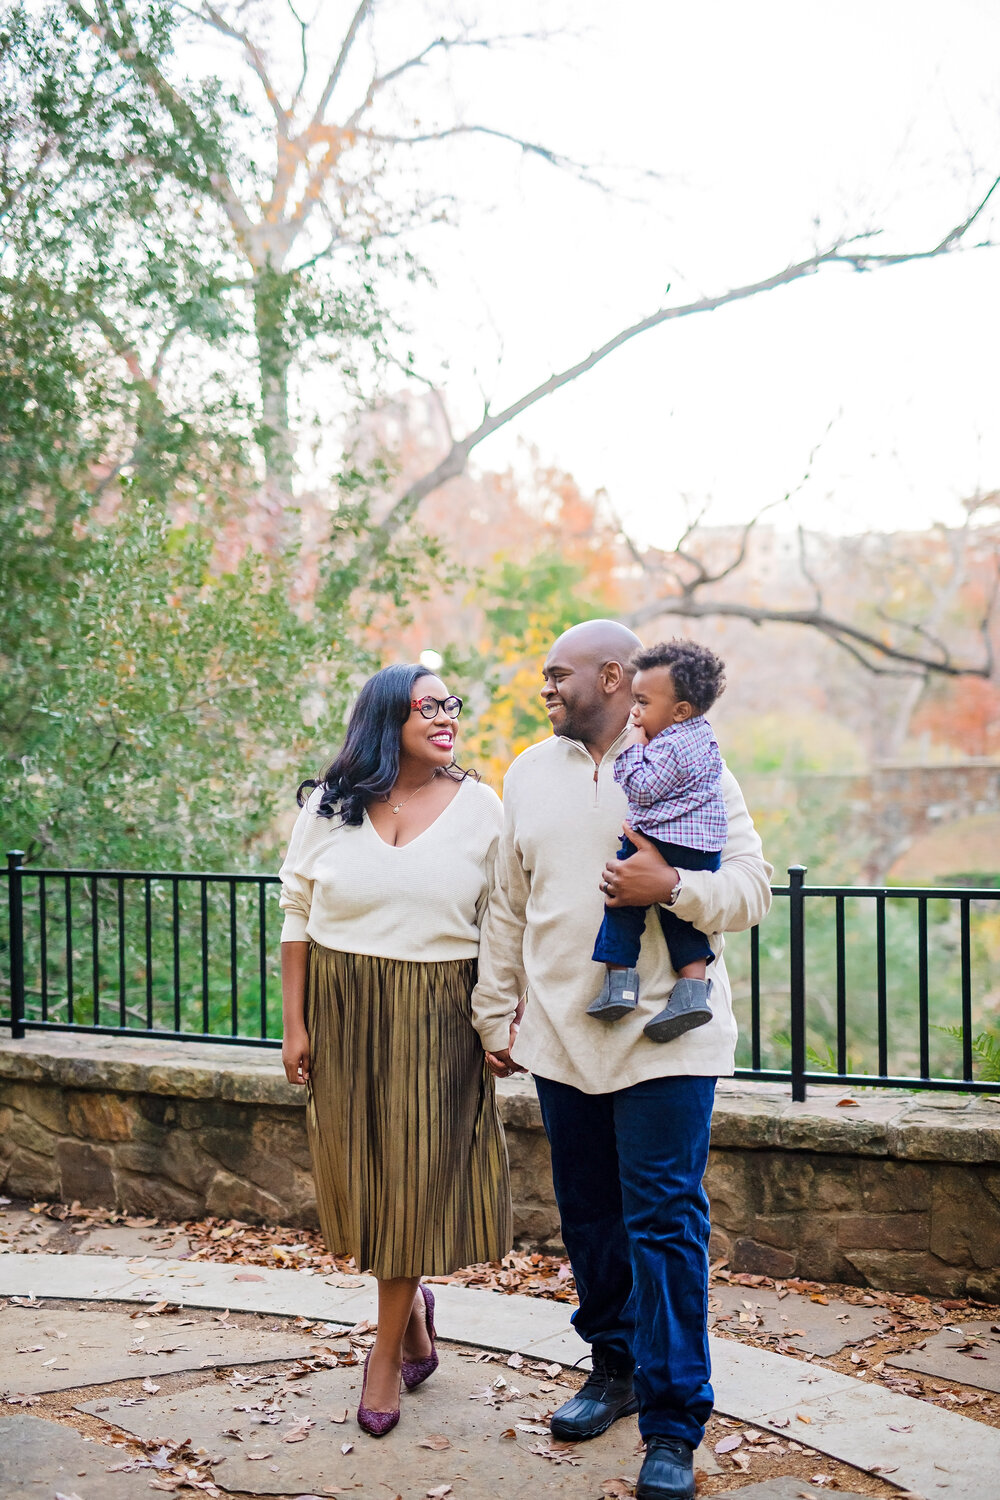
[699,676]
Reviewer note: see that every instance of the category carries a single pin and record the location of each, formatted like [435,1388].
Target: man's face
[571,692]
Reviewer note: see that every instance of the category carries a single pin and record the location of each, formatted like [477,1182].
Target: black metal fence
[856,985]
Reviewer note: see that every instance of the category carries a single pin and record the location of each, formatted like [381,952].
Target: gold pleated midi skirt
[408,1152]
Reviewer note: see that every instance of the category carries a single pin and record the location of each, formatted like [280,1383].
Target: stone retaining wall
[900,1192]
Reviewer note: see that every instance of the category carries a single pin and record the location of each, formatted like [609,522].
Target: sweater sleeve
[501,965]
[738,894]
[296,891]
[649,774]
[490,858]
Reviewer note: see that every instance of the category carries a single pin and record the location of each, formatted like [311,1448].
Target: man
[628,1120]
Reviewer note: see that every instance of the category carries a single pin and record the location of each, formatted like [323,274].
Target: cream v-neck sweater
[345,888]
[561,825]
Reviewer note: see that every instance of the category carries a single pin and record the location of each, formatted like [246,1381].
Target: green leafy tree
[163,662]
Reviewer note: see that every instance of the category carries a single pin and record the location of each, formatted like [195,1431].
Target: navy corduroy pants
[627,1169]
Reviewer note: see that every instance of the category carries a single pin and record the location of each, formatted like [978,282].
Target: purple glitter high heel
[375,1423]
[416,1371]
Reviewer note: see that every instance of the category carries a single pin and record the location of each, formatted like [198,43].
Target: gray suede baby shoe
[619,995]
[687,1008]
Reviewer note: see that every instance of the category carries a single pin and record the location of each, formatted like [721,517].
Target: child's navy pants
[620,935]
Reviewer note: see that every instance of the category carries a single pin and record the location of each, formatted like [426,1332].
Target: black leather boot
[667,1471]
[605,1396]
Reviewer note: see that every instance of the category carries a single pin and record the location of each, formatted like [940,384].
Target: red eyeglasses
[429,707]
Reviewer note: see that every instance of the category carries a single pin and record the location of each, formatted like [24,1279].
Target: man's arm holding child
[730,899]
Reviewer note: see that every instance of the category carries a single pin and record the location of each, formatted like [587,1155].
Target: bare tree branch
[530,148]
[848,636]
[341,62]
[218,22]
[442,44]
[454,461]
[303,39]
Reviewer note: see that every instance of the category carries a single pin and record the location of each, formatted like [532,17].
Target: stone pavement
[146,1365]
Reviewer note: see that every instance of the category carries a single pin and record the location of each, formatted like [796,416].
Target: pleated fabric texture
[408,1152]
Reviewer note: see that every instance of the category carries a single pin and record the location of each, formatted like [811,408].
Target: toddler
[669,769]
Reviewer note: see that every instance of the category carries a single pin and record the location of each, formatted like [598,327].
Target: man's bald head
[598,642]
[588,676]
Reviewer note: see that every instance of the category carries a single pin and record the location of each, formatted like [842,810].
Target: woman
[384,885]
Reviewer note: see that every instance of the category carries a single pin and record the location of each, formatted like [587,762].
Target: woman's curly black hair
[367,764]
[699,676]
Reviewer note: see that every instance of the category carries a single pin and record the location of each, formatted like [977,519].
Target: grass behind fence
[860,986]
[149,954]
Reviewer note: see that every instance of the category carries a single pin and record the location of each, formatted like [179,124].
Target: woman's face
[428,742]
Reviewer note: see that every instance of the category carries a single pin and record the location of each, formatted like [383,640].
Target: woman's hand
[295,1056]
[501,1064]
[644,879]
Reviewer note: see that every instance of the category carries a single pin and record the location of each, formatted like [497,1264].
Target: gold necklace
[396,806]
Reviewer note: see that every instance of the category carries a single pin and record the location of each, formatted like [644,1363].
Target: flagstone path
[468,1408]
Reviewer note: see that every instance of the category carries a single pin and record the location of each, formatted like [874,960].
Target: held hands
[643,880]
[501,1064]
[295,1056]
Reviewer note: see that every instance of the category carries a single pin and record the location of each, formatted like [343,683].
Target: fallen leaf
[558,1455]
[248,1276]
[818,1297]
[256,1457]
[616,1489]
[148,1385]
[347,1447]
[439,1493]
[232,1432]
[437,1441]
[848,1104]
[553,1370]
[299,1430]
[339,1417]
[901,1428]
[727,1444]
[516,1361]
[801,1417]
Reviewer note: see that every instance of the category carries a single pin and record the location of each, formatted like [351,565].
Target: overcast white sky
[760,120]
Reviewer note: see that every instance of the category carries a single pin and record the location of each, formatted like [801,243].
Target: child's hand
[636,736]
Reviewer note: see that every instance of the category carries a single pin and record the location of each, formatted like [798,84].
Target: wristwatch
[672,898]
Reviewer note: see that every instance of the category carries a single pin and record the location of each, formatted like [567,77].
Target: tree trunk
[272,291]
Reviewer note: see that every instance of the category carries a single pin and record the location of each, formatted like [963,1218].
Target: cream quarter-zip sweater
[562,823]
[347,889]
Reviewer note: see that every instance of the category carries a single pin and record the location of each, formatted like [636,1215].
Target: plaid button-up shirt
[672,785]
